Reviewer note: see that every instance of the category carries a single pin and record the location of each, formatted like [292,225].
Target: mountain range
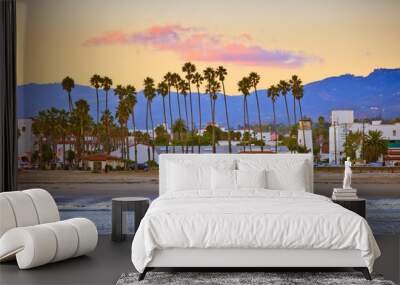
[374,95]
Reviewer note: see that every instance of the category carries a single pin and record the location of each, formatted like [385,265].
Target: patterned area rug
[243,278]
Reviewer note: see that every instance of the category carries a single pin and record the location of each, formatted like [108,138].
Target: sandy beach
[141,183]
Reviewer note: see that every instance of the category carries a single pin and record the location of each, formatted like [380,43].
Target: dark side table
[120,207]
[356,205]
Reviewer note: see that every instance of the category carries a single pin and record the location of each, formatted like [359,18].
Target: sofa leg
[364,271]
[143,274]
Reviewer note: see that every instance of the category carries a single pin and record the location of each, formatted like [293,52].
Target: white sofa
[31,231]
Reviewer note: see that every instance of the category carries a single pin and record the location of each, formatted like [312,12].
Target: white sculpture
[347,174]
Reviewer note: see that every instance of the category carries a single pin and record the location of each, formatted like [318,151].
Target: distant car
[140,166]
[143,166]
[376,164]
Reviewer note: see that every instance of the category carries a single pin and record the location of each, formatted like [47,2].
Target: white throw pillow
[288,176]
[282,174]
[183,177]
[223,179]
[186,175]
[251,178]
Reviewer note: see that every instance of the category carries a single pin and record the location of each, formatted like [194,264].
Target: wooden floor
[110,260]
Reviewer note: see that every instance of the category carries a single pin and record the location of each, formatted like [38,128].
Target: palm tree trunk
[170,116]
[180,118]
[199,137]
[106,99]
[214,147]
[179,104]
[248,123]
[97,106]
[97,118]
[276,133]
[191,118]
[244,121]
[165,120]
[301,118]
[187,126]
[259,119]
[70,102]
[287,112]
[127,143]
[147,131]
[152,132]
[122,143]
[212,117]
[63,138]
[294,110]
[227,120]
[211,105]
[134,136]
[108,136]
[82,141]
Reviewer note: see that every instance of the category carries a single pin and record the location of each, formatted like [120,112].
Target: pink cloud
[198,45]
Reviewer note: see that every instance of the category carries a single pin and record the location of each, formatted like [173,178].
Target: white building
[306,135]
[141,154]
[266,137]
[342,122]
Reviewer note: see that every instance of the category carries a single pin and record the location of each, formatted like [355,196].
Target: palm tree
[120,91]
[190,69]
[106,84]
[149,92]
[175,79]
[294,82]
[68,84]
[297,92]
[209,76]
[284,88]
[131,101]
[221,73]
[168,81]
[63,118]
[162,90]
[107,121]
[254,79]
[273,93]
[197,80]
[184,88]
[179,127]
[299,96]
[374,146]
[96,81]
[82,115]
[215,87]
[244,88]
[122,114]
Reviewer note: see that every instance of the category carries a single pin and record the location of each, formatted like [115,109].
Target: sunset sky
[129,40]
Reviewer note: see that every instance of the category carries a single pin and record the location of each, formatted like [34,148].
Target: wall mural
[104,87]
